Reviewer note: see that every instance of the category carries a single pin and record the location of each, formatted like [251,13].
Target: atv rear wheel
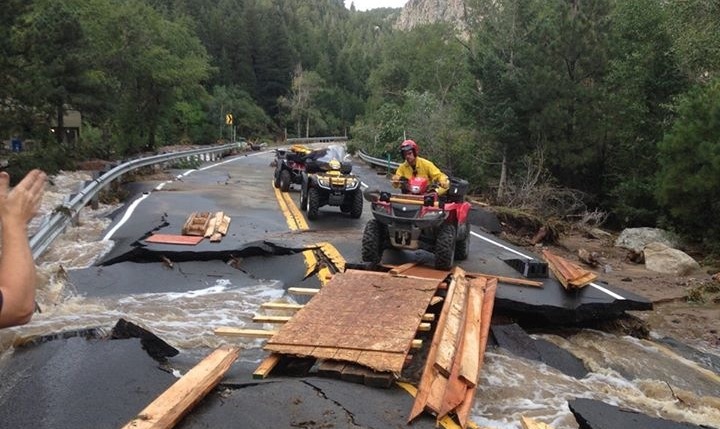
[445,247]
[313,203]
[284,181]
[357,204]
[372,240]
[462,246]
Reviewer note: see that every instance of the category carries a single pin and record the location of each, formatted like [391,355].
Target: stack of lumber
[198,225]
[455,357]
[217,227]
[570,275]
[207,224]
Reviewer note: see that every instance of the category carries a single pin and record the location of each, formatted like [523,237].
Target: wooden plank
[508,280]
[528,423]
[436,300]
[404,267]
[267,365]
[451,331]
[249,333]
[174,239]
[455,389]
[428,317]
[331,368]
[469,360]
[224,225]
[303,291]
[568,273]
[430,374]
[463,411]
[353,373]
[262,318]
[210,230]
[216,237]
[281,306]
[168,408]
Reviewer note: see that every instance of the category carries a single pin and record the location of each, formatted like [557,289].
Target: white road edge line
[596,286]
[135,203]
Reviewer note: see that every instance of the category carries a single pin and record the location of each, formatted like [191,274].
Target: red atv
[417,219]
[289,166]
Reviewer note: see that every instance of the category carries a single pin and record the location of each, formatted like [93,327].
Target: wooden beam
[281,306]
[508,280]
[238,332]
[303,290]
[266,366]
[168,408]
[261,318]
[404,267]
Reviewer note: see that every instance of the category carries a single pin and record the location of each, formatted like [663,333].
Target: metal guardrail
[379,162]
[317,139]
[63,215]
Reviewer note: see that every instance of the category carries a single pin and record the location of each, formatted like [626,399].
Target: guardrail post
[95,202]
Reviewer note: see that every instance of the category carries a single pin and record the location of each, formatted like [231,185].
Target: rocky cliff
[418,12]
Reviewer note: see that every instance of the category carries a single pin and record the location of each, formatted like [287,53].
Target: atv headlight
[351,183]
[324,181]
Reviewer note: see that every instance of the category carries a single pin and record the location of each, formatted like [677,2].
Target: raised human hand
[19,204]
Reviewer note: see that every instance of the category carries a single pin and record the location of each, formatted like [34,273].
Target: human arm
[438,177]
[403,172]
[17,267]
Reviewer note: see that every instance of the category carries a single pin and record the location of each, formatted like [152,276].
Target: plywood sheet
[174,239]
[372,313]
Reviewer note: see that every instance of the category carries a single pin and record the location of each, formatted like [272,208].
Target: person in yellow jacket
[415,166]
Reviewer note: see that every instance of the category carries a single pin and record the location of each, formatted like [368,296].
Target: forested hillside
[561,106]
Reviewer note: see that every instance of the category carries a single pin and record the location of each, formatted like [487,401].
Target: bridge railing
[63,215]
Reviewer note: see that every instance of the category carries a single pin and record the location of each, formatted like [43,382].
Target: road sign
[229,119]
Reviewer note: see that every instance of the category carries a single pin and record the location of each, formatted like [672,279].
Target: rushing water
[624,371]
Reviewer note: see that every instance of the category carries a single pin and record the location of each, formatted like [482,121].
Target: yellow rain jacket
[423,168]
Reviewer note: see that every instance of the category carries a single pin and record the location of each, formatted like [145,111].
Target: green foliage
[50,157]
[690,163]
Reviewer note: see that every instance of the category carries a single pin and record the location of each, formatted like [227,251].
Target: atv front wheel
[276,179]
[284,181]
[372,248]
[304,198]
[313,203]
[357,204]
[445,247]
[462,246]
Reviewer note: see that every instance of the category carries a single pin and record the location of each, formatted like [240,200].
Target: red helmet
[408,145]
